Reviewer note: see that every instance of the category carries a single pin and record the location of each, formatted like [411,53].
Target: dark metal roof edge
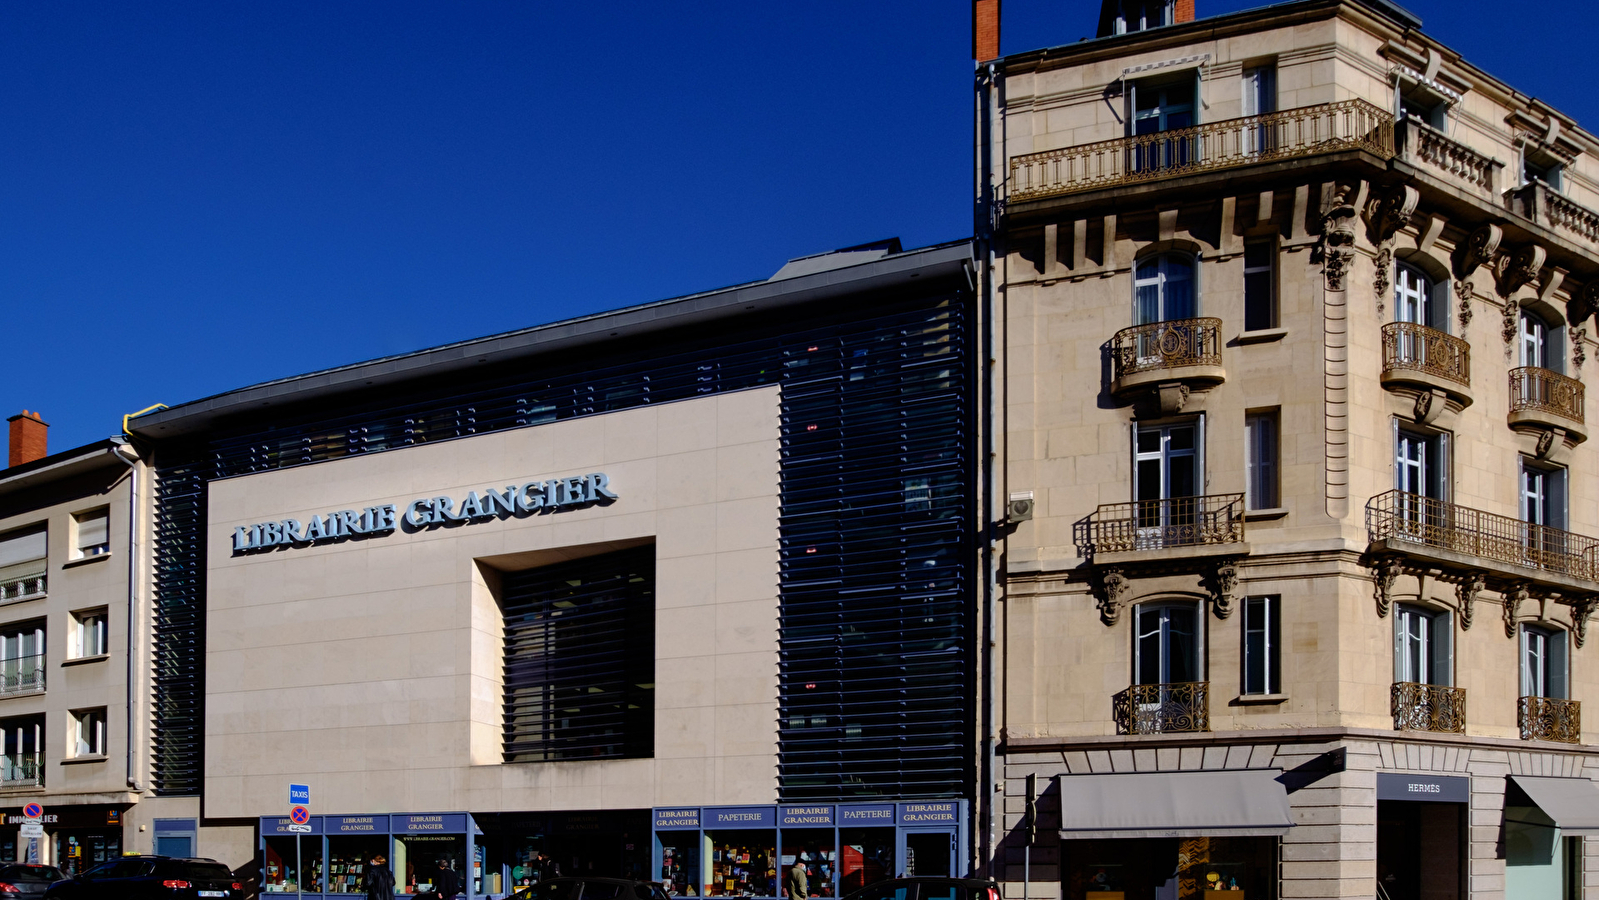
[942,260]
[58,465]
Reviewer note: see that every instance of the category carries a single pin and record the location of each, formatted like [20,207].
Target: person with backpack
[378,880]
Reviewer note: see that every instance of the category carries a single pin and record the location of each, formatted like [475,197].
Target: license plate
[213,893]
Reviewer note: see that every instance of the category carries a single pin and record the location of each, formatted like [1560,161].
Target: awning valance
[1249,802]
[1572,802]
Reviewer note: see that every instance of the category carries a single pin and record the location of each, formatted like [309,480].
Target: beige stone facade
[1311,181]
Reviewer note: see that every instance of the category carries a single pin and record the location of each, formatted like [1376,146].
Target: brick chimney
[1184,12]
[28,433]
[985,29]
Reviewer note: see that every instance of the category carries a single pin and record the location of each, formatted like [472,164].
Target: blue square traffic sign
[300,793]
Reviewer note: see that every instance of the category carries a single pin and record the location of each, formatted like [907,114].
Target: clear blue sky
[200,196]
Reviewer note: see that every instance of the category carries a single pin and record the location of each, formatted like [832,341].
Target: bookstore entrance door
[928,853]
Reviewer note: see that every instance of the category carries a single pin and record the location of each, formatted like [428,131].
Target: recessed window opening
[1543,662]
[1168,644]
[1543,495]
[88,730]
[1141,15]
[1421,645]
[1542,167]
[88,634]
[1419,463]
[1417,300]
[1166,473]
[1538,343]
[91,537]
[1262,645]
[1260,285]
[1260,457]
[1163,289]
[23,563]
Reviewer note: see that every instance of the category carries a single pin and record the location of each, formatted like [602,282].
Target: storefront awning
[1572,802]
[1244,803]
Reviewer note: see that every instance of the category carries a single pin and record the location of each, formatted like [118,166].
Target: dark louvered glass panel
[179,612]
[580,658]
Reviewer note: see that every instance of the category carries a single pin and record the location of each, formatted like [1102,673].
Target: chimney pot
[28,438]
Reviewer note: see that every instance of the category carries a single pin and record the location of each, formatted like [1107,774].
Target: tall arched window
[1163,288]
[1539,345]
[1168,643]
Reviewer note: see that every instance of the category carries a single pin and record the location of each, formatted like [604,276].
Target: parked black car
[26,880]
[923,887]
[151,878]
[591,889]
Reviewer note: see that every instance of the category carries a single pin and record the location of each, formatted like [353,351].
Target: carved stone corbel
[1480,248]
[1515,596]
[1464,290]
[1224,582]
[1580,611]
[1579,349]
[1384,572]
[1112,585]
[1516,270]
[1379,281]
[1338,232]
[1391,212]
[1466,597]
[1582,304]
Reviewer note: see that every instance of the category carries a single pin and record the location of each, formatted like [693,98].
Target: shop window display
[865,855]
[1199,868]
[348,859]
[292,864]
[680,863]
[76,853]
[812,848]
[416,859]
[743,864]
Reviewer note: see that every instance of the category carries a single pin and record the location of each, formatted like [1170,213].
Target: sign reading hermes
[423,513]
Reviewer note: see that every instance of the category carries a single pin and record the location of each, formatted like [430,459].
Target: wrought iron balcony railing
[1162,708]
[24,588]
[1286,134]
[1423,144]
[21,769]
[1166,524]
[1532,388]
[1552,209]
[1412,518]
[1161,346]
[1408,347]
[1550,719]
[22,675]
[1429,707]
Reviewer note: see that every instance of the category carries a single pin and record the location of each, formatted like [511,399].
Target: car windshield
[30,873]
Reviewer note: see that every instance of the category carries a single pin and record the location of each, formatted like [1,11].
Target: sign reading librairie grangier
[515,501]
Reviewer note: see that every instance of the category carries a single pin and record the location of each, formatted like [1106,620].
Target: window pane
[1259,310]
[1255,646]
[1182,437]
[1149,646]
[1181,665]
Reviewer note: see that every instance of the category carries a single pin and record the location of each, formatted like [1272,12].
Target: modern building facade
[682,591]
[1295,590]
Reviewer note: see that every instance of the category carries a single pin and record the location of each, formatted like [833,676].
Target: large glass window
[1262,645]
[1419,463]
[22,563]
[1543,662]
[1260,285]
[680,863]
[1157,109]
[580,658]
[1534,344]
[866,855]
[22,762]
[1163,287]
[349,855]
[417,857]
[743,863]
[1543,495]
[22,666]
[1421,645]
[812,850]
[1417,300]
[292,864]
[1168,645]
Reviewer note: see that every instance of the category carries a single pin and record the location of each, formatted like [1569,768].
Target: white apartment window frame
[1262,459]
[1163,273]
[24,555]
[91,633]
[1419,298]
[1262,646]
[1539,342]
[1134,15]
[1260,284]
[86,526]
[1542,494]
[1423,645]
[1421,461]
[1164,453]
[89,732]
[1163,633]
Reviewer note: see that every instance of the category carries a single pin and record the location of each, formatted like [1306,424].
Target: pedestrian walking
[378,881]
[797,886]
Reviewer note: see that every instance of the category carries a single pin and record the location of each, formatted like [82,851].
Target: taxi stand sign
[300,808]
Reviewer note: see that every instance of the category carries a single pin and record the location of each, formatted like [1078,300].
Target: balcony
[21,770]
[1429,707]
[1549,401]
[1162,708]
[1419,358]
[1184,352]
[1179,526]
[1550,719]
[1463,538]
[1227,144]
[22,675]
[28,587]
[1546,206]
[1438,154]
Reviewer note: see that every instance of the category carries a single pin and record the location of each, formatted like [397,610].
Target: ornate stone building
[1292,311]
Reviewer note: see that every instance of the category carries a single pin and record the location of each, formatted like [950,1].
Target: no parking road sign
[300,817]
[33,811]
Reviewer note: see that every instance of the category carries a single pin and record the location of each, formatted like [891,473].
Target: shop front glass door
[930,853]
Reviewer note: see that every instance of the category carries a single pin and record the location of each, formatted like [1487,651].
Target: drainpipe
[124,451]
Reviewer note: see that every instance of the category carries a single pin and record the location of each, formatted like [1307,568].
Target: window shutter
[92,531]
[22,554]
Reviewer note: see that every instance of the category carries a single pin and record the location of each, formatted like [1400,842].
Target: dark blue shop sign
[805,816]
[677,818]
[430,823]
[930,812]
[1426,788]
[285,825]
[739,817]
[357,824]
[867,814]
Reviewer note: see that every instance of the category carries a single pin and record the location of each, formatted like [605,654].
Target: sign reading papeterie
[425,513]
